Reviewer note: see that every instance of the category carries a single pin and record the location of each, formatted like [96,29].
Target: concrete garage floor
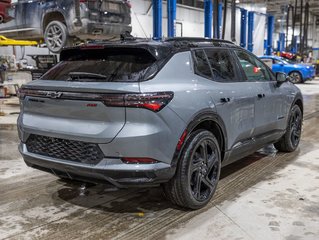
[264,196]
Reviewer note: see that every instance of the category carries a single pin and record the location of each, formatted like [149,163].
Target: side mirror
[281,77]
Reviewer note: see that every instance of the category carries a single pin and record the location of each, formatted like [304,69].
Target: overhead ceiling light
[237,1]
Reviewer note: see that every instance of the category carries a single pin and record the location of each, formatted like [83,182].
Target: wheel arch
[297,71]
[209,121]
[298,101]
[54,15]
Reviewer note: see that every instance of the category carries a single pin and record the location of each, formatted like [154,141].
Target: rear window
[104,65]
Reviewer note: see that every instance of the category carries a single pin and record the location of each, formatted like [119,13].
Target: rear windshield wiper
[86,75]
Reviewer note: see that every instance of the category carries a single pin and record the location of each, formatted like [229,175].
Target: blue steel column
[294,45]
[250,46]
[157,19]
[208,7]
[219,20]
[265,46]
[171,17]
[270,31]
[281,42]
[243,27]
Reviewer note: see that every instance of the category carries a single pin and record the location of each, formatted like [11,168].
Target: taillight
[135,160]
[151,101]
[22,93]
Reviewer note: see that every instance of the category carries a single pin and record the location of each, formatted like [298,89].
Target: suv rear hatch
[84,97]
[106,11]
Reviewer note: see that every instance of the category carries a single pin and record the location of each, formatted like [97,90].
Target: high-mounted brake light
[91,46]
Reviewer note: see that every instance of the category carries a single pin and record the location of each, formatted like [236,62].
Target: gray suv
[143,113]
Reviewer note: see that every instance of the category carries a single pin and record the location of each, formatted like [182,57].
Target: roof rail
[196,39]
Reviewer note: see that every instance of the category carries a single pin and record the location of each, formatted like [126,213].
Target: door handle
[225,100]
[261,95]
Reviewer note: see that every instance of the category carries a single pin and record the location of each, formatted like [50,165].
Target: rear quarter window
[201,66]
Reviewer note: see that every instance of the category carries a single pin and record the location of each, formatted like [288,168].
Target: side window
[221,64]
[254,70]
[201,65]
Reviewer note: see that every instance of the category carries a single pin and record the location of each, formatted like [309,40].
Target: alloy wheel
[204,170]
[55,37]
[295,77]
[295,125]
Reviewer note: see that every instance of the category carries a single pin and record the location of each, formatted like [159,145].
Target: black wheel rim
[295,77]
[204,170]
[55,37]
[295,126]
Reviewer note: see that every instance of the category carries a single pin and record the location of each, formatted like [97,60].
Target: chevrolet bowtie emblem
[54,94]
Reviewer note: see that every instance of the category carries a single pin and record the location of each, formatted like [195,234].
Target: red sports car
[4,6]
[288,55]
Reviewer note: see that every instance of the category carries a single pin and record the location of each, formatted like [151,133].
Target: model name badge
[91,105]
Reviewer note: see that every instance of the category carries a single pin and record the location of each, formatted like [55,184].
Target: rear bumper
[112,171]
[96,29]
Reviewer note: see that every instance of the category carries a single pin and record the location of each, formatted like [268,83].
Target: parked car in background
[142,113]
[59,22]
[4,6]
[288,55]
[298,72]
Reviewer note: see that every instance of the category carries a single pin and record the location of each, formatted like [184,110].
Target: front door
[269,105]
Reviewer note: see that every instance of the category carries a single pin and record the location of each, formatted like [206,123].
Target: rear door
[82,97]
[34,11]
[233,98]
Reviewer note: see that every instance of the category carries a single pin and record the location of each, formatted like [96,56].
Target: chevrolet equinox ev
[142,113]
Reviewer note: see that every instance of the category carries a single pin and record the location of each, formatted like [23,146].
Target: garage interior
[267,195]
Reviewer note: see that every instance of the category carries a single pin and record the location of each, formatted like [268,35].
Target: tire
[197,173]
[295,77]
[290,141]
[56,36]
[1,19]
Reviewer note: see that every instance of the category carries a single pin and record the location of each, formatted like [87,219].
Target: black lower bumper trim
[121,179]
